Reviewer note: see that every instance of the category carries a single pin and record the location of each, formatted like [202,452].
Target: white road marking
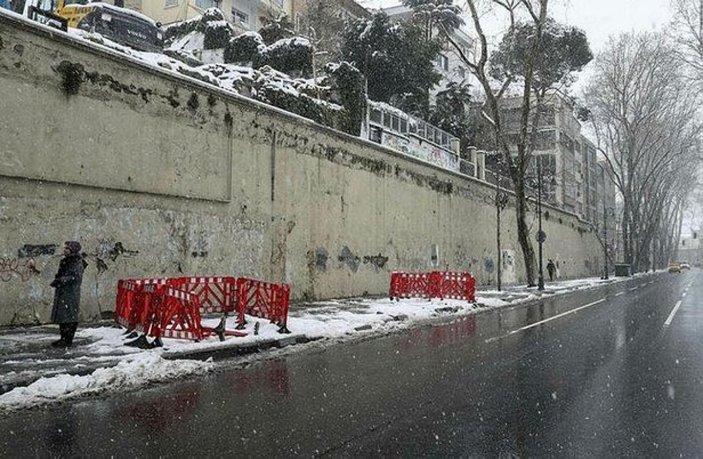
[634,288]
[683,295]
[526,327]
[618,294]
[673,312]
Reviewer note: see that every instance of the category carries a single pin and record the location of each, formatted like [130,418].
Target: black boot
[70,333]
[59,343]
[141,343]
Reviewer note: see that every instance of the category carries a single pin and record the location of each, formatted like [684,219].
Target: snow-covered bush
[213,15]
[216,31]
[180,29]
[244,49]
[277,89]
[347,84]
[217,34]
[291,55]
[232,77]
[275,29]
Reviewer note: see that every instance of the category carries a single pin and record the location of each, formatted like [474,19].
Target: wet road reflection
[601,380]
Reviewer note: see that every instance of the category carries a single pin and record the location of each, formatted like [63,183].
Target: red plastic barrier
[457,286]
[216,294]
[263,299]
[436,284]
[123,301]
[161,307]
[172,313]
[409,285]
[129,300]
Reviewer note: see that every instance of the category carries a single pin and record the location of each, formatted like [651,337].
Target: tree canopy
[450,113]
[436,15]
[321,21]
[563,50]
[396,59]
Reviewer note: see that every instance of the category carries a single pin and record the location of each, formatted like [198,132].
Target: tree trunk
[523,235]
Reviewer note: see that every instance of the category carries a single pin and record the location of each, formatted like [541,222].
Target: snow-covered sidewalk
[32,373]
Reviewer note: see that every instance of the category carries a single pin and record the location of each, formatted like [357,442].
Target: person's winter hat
[73,246]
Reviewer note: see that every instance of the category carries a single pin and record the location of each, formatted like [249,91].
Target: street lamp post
[540,233]
[605,238]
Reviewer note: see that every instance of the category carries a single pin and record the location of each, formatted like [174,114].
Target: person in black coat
[67,296]
[551,269]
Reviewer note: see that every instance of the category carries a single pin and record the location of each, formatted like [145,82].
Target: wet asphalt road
[618,376]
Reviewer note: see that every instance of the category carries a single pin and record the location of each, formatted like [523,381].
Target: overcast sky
[602,18]
[599,18]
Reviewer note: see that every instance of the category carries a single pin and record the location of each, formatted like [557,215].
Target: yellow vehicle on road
[674,268]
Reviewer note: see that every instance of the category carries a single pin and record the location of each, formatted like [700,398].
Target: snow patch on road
[139,371]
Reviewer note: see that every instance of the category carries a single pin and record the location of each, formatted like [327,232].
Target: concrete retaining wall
[157,174]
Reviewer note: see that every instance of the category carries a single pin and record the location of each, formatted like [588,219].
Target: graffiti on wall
[36,250]
[11,268]
[422,149]
[508,273]
[109,250]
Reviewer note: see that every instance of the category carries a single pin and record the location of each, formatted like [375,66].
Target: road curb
[237,349]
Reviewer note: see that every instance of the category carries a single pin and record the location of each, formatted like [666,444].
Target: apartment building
[243,14]
[345,9]
[572,177]
[591,170]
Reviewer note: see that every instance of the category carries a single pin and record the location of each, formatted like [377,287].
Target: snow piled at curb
[128,374]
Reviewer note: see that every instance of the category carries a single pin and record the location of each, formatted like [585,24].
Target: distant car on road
[674,268]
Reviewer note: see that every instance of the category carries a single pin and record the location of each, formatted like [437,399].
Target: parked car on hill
[121,25]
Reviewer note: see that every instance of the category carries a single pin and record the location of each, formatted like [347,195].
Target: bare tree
[687,31]
[644,118]
[531,57]
[536,13]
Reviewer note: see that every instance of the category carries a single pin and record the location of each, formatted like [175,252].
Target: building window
[443,62]
[240,17]
[387,120]
[375,134]
[204,4]
[170,3]
[395,123]
[545,140]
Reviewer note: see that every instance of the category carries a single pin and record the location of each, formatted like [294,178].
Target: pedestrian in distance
[67,296]
[551,269]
